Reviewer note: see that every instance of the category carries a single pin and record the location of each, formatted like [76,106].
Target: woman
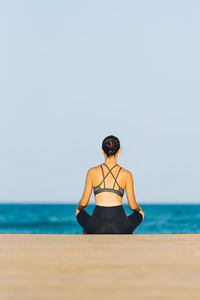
[108,182]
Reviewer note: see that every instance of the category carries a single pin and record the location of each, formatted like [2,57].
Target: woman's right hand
[142,213]
[139,210]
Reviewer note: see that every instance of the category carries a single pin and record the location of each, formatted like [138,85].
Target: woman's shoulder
[124,171]
[93,169]
[128,172]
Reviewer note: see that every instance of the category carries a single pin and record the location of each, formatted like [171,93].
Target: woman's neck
[111,161]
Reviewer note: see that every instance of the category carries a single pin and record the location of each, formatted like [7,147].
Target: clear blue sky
[73,72]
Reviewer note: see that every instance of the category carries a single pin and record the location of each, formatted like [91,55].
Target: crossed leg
[135,219]
[83,218]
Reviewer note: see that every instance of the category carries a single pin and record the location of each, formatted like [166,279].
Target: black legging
[109,220]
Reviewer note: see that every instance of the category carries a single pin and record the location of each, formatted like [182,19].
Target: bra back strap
[103,176]
[116,177]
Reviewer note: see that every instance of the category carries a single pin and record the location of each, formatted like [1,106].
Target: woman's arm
[130,193]
[86,193]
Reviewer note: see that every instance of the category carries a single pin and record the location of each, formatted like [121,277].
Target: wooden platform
[124,267]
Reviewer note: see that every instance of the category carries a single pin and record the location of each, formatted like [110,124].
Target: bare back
[124,180]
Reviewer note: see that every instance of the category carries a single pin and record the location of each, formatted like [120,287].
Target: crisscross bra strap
[110,171]
[116,178]
[106,174]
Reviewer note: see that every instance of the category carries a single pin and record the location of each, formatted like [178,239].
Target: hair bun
[110,145]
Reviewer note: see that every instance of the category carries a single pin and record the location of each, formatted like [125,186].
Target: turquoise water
[60,218]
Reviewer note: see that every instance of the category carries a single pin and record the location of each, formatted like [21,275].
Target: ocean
[61,219]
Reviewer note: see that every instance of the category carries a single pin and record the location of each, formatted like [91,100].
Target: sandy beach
[99,266]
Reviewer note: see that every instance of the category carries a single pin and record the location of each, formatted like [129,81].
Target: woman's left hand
[77,211]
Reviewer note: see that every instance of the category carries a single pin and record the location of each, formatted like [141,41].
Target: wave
[36,224]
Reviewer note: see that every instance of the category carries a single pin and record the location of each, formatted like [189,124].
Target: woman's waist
[109,201]
[108,206]
[109,211]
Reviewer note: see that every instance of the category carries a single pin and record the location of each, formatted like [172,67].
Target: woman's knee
[142,213]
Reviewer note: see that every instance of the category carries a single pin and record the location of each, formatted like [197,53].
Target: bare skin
[94,177]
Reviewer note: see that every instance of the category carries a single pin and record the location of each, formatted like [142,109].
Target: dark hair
[111,145]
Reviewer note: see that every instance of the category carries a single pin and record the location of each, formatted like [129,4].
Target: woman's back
[107,180]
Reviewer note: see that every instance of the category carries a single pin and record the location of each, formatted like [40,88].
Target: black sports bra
[97,189]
